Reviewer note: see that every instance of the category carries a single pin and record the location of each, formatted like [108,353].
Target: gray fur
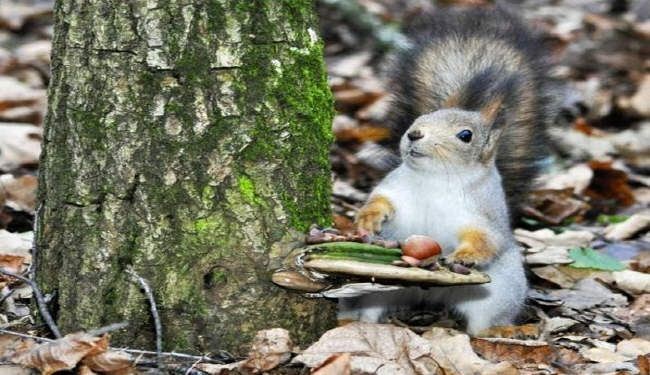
[466,59]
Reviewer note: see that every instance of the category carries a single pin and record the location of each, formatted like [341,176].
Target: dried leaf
[588,293]
[546,237]
[362,134]
[554,275]
[548,255]
[609,184]
[218,369]
[576,178]
[112,362]
[12,263]
[514,351]
[270,348]
[639,103]
[585,257]
[633,348]
[628,228]
[643,361]
[603,355]
[553,206]
[386,349]
[19,192]
[632,282]
[20,144]
[337,364]
[62,354]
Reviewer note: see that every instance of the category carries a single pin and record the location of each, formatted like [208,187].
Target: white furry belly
[440,219]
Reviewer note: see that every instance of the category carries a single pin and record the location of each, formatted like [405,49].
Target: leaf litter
[594,197]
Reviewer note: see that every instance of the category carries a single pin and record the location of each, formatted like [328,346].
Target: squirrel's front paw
[371,216]
[475,249]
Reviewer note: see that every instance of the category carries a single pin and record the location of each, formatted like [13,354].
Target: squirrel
[469,101]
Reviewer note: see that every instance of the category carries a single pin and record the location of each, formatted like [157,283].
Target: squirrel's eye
[464,135]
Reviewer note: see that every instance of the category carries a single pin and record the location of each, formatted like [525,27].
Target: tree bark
[186,140]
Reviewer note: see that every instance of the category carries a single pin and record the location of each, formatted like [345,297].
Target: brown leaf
[386,349]
[270,348]
[62,354]
[14,93]
[110,362]
[362,134]
[643,361]
[337,364]
[12,263]
[514,351]
[554,206]
[20,144]
[19,192]
[609,184]
[10,345]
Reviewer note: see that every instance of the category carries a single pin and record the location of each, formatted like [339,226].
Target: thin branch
[127,350]
[154,310]
[24,335]
[40,301]
[108,328]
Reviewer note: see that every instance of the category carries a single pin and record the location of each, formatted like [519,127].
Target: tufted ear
[490,111]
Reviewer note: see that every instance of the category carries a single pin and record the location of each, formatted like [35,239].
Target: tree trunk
[187,140]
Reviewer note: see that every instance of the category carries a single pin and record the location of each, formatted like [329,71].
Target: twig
[108,328]
[189,370]
[202,358]
[154,310]
[40,301]
[24,335]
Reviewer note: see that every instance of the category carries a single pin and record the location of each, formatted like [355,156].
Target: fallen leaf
[576,178]
[219,369]
[362,133]
[111,362]
[586,294]
[546,237]
[639,103]
[386,349]
[603,355]
[557,324]
[585,257]
[10,345]
[514,351]
[632,282]
[11,263]
[609,184]
[16,243]
[643,361]
[62,354]
[548,255]
[628,228]
[20,144]
[632,348]
[522,332]
[554,275]
[270,348]
[553,206]
[14,14]
[19,192]
[14,93]
[337,364]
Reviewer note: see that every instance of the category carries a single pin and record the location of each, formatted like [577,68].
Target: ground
[584,232]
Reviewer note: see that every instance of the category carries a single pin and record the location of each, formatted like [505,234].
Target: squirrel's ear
[489,148]
[491,110]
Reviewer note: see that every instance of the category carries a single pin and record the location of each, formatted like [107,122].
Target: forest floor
[585,232]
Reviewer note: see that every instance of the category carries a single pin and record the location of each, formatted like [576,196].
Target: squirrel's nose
[414,135]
